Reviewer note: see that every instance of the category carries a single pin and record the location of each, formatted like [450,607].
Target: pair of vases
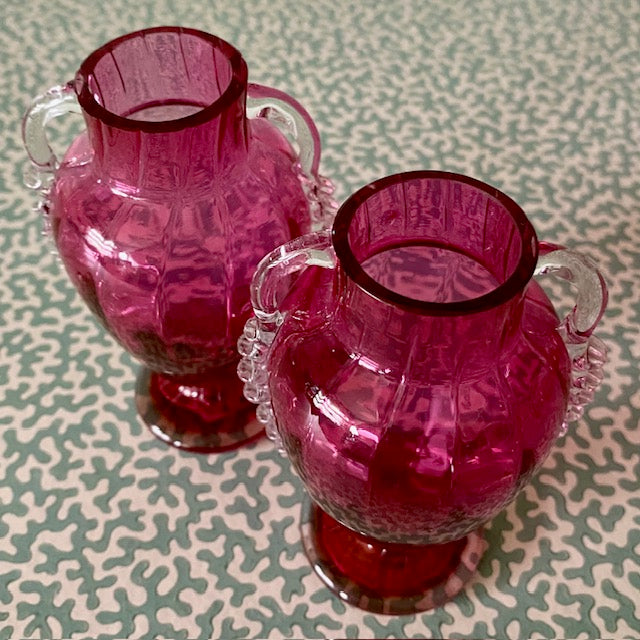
[405,359]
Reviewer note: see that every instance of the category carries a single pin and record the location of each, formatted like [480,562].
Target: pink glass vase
[417,376]
[184,178]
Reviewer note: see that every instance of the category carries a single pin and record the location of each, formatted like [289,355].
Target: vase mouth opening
[161,79]
[435,243]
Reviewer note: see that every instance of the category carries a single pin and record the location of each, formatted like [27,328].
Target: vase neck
[430,347]
[433,269]
[165,108]
[139,160]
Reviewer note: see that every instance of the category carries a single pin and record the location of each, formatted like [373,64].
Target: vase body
[162,208]
[417,427]
[417,373]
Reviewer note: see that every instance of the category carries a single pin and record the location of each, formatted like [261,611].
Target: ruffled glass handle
[587,352]
[269,287]
[293,121]
[55,102]
[38,172]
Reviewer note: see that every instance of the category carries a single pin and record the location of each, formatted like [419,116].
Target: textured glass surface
[161,231]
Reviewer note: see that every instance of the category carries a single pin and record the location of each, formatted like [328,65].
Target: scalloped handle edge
[587,352]
[267,293]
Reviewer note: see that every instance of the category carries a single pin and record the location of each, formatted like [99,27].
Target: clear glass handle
[587,352]
[269,287]
[57,101]
[293,121]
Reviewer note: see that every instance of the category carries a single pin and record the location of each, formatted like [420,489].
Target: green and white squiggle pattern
[106,533]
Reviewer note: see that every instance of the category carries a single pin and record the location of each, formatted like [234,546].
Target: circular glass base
[203,414]
[387,577]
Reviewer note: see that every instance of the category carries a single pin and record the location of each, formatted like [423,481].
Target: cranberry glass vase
[416,375]
[185,177]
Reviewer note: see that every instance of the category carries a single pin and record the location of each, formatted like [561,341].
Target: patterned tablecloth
[106,532]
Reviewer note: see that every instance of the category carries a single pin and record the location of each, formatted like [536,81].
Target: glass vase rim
[89,104]
[512,286]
